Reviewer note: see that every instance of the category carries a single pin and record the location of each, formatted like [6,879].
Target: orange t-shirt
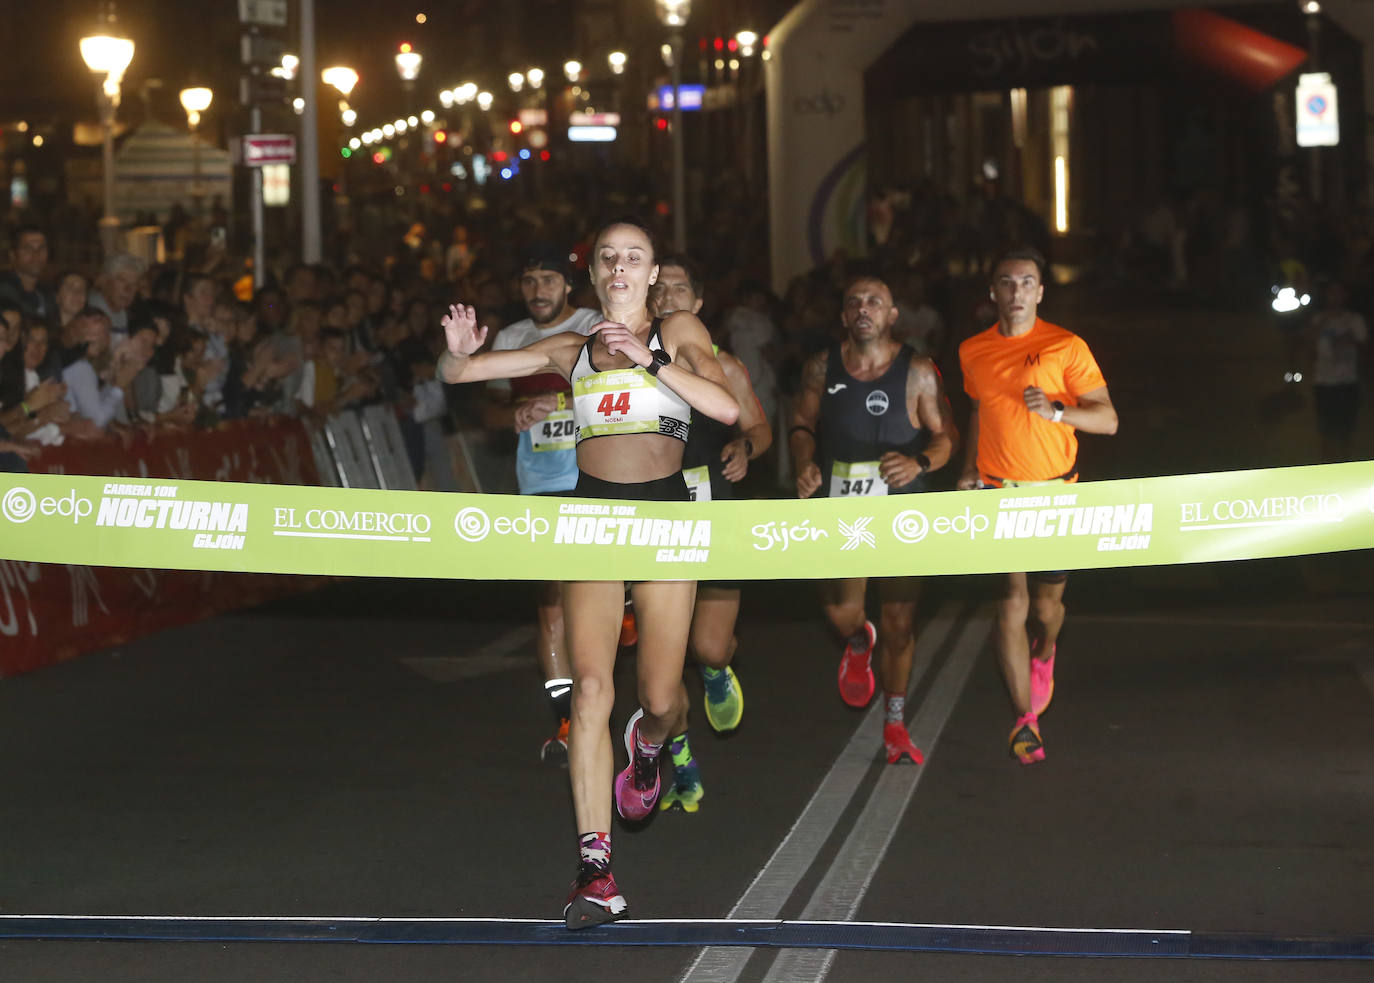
[1013,442]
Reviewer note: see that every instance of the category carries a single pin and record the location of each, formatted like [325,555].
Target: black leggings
[672,488]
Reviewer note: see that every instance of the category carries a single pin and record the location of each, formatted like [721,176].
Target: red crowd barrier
[51,612]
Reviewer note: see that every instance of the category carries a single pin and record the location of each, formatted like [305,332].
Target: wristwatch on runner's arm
[1058,411]
[660,359]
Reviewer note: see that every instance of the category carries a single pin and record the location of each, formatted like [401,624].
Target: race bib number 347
[860,478]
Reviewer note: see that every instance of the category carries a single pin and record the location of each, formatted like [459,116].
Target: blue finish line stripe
[985,939]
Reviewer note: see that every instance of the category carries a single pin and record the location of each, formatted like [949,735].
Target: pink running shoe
[1025,740]
[636,788]
[856,670]
[898,744]
[1041,679]
[593,900]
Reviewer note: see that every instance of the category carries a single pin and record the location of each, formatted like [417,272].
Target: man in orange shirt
[1033,385]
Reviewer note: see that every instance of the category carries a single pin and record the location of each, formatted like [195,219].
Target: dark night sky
[43,73]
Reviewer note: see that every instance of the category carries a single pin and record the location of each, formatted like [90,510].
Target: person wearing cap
[539,408]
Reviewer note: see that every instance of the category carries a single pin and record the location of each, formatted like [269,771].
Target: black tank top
[862,421]
[705,441]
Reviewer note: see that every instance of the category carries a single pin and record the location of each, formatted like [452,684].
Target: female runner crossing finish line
[636,381]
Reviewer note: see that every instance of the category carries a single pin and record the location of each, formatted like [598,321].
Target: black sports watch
[922,460]
[660,359]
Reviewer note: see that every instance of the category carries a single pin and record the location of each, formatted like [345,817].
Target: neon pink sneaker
[856,670]
[1025,740]
[593,900]
[898,744]
[1041,679]
[636,787]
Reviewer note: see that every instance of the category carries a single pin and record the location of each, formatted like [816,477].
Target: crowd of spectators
[91,354]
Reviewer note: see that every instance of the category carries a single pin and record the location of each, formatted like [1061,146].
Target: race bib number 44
[614,403]
[860,478]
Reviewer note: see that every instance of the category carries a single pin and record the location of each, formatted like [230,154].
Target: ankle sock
[681,752]
[894,710]
[594,852]
[559,692]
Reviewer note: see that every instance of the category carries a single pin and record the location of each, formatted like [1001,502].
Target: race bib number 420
[554,432]
[860,478]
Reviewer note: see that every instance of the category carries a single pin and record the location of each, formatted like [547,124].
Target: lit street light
[341,77]
[516,80]
[195,100]
[572,69]
[673,14]
[108,52]
[484,100]
[535,77]
[287,68]
[408,63]
[617,59]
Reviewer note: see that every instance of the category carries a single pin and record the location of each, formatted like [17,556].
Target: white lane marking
[503,654]
[846,882]
[1198,622]
[471,920]
[779,877]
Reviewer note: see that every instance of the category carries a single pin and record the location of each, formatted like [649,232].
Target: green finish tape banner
[206,525]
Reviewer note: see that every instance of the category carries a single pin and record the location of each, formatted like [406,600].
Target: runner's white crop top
[628,400]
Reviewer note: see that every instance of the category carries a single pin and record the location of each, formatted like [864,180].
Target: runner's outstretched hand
[461,331]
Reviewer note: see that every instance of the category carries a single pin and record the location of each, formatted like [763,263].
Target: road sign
[260,149]
[268,13]
[693,97]
[256,49]
[1318,122]
[594,119]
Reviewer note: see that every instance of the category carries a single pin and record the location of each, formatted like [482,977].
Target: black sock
[559,692]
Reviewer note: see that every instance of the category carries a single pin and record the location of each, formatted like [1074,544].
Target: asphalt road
[1207,772]
[362,762]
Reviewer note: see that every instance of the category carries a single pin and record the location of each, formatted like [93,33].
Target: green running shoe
[724,699]
[686,791]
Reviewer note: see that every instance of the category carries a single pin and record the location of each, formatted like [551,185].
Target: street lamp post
[343,79]
[673,14]
[195,100]
[408,62]
[108,52]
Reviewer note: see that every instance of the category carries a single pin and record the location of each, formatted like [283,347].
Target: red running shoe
[555,749]
[856,670]
[593,900]
[898,744]
[629,631]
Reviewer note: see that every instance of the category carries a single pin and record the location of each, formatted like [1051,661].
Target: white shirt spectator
[88,397]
